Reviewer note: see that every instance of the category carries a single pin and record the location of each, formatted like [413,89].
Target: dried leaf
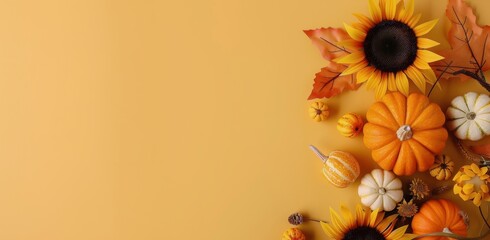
[467,39]
[326,39]
[329,83]
[483,150]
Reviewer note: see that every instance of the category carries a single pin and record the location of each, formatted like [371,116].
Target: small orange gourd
[350,125]
[439,215]
[340,168]
[404,133]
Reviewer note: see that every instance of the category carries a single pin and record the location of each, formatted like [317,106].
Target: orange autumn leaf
[483,150]
[326,39]
[468,40]
[329,83]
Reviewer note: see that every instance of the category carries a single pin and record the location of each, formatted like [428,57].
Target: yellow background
[172,119]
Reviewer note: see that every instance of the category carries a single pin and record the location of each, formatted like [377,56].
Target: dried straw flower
[419,189]
[295,219]
[407,209]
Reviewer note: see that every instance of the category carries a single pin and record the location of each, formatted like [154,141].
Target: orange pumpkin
[404,133]
[439,215]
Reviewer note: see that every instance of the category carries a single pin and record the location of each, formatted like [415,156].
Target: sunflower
[364,225]
[387,50]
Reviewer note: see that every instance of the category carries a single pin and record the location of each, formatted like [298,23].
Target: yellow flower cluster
[293,234]
[472,183]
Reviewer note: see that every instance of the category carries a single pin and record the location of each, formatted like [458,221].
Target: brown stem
[475,76]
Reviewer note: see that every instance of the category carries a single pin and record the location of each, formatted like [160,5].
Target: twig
[484,219]
[438,78]
[340,48]
[475,76]
[478,74]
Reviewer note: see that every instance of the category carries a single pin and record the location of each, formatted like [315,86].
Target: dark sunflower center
[390,46]
[363,233]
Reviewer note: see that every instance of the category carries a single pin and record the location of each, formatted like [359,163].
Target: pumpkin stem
[471,116]
[446,230]
[404,133]
[319,154]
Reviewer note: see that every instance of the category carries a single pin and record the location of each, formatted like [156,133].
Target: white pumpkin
[469,116]
[381,190]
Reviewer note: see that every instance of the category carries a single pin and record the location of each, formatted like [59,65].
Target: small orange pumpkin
[350,125]
[340,168]
[439,215]
[404,133]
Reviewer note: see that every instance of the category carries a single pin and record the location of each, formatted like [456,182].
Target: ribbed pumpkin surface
[438,215]
[341,168]
[404,133]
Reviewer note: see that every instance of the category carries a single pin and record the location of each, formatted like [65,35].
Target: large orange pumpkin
[439,215]
[405,133]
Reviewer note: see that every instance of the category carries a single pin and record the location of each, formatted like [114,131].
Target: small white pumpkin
[469,116]
[381,190]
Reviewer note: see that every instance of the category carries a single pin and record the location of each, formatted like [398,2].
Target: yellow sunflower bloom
[387,50]
[365,224]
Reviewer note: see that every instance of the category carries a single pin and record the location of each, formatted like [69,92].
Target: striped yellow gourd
[340,168]
[350,125]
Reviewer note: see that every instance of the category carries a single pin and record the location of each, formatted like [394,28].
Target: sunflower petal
[364,20]
[330,231]
[337,223]
[398,233]
[429,75]
[364,74]
[400,6]
[381,88]
[428,56]
[424,28]
[392,82]
[355,33]
[347,215]
[402,83]
[375,11]
[421,64]
[408,236]
[354,68]
[417,78]
[374,80]
[415,19]
[379,218]
[350,44]
[372,218]
[390,9]
[359,215]
[426,43]
[354,57]
[408,12]
[386,223]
